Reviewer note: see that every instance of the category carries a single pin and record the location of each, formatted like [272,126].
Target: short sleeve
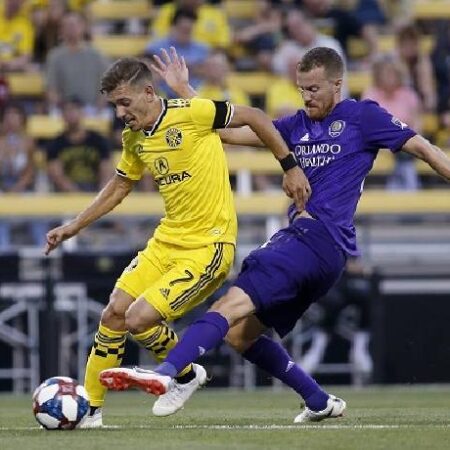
[283,125]
[130,165]
[211,114]
[381,129]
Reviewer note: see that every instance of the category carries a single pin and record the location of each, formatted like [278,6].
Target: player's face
[320,94]
[135,104]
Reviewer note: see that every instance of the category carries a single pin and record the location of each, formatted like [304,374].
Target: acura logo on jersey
[336,128]
[162,166]
[173,137]
[173,178]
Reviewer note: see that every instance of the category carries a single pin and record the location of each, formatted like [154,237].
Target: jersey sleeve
[130,165]
[211,115]
[381,129]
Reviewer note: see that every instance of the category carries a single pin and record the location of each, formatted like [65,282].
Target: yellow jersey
[184,153]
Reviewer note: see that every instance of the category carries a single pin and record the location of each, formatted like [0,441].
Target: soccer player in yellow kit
[192,249]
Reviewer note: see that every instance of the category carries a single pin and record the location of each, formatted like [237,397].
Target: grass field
[377,418]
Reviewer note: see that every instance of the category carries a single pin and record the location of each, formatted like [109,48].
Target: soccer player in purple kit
[335,142]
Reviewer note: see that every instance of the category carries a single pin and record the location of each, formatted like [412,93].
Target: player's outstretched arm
[108,198]
[173,70]
[421,148]
[295,183]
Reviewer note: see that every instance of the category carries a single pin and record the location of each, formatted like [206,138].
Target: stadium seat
[357,82]
[115,46]
[47,127]
[240,9]
[437,9]
[430,124]
[252,83]
[120,10]
[358,47]
[29,84]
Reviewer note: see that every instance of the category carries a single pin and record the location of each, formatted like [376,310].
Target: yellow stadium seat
[437,9]
[26,84]
[240,9]
[358,81]
[120,9]
[430,123]
[252,83]
[115,46]
[41,126]
[386,44]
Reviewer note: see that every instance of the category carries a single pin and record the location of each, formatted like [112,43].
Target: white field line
[253,427]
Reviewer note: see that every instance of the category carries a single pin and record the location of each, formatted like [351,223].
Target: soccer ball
[60,403]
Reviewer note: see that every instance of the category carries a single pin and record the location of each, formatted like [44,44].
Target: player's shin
[159,340]
[274,359]
[106,353]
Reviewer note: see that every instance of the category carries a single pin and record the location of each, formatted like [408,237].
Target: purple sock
[273,358]
[203,335]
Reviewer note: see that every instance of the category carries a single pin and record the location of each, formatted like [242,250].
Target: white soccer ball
[60,403]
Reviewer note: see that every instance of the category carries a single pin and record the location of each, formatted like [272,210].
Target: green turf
[378,418]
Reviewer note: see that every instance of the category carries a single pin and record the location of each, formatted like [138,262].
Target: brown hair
[125,70]
[324,57]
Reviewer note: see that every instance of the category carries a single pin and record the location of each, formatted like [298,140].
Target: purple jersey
[336,155]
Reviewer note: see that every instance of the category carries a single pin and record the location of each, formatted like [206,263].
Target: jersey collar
[158,121]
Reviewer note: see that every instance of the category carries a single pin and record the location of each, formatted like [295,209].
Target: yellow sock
[106,353]
[159,340]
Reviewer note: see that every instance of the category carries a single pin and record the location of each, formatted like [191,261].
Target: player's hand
[296,186]
[171,68]
[58,235]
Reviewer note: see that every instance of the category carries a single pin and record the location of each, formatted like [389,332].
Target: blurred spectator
[181,38]
[17,165]
[47,25]
[78,159]
[215,83]
[370,16]
[211,27]
[420,69]
[4,90]
[301,36]
[391,91]
[74,68]
[282,97]
[16,36]
[441,64]
[261,37]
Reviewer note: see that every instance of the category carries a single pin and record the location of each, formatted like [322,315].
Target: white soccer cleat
[175,398]
[335,408]
[93,421]
[120,379]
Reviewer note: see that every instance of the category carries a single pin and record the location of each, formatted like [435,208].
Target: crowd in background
[55,37]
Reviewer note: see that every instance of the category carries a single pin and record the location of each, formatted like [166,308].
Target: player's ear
[338,85]
[150,92]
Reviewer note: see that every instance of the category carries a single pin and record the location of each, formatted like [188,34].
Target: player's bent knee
[113,316]
[138,319]
[234,305]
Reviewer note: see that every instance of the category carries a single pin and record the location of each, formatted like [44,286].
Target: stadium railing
[139,204]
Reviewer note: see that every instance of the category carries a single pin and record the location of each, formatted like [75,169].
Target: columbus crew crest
[174,137]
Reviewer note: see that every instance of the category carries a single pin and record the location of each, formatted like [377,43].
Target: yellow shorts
[174,279]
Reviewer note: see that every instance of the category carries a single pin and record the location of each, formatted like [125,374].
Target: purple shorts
[295,268]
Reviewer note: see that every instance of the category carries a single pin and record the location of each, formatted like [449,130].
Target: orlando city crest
[336,128]
[174,138]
